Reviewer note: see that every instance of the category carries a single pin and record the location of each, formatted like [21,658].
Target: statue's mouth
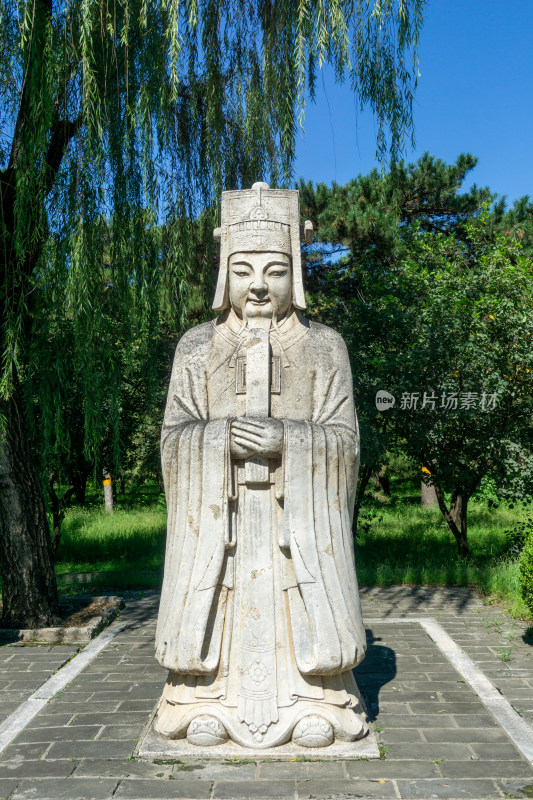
[257,302]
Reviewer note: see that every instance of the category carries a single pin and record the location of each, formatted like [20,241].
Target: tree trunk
[381,481]
[79,484]
[108,492]
[458,509]
[455,516]
[29,590]
[364,476]
[428,496]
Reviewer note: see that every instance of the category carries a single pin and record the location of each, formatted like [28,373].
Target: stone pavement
[437,738]
[24,668]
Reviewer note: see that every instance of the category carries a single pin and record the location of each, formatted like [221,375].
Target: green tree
[440,304]
[108,109]
[366,222]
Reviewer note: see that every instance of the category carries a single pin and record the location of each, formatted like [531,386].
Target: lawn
[398,542]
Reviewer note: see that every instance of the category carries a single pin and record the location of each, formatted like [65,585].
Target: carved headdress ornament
[260,219]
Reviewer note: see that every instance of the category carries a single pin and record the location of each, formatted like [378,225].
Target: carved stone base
[152,745]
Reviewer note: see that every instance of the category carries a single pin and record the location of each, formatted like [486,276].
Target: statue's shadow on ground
[377,669]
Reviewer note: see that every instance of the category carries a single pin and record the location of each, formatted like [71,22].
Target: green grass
[130,542]
[398,543]
[403,543]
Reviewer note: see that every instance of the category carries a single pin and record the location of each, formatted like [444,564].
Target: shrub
[517,536]
[526,572]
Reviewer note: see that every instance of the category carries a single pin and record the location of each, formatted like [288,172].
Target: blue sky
[475,94]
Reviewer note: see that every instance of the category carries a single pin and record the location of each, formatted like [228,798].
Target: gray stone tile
[466,735]
[389,768]
[90,749]
[126,732]
[45,720]
[36,768]
[281,790]
[7,785]
[119,768]
[502,752]
[475,721]
[215,770]
[18,751]
[58,734]
[135,705]
[516,788]
[162,790]
[416,721]
[447,708]
[403,735]
[112,718]
[65,789]
[344,789]
[299,770]
[487,769]
[479,789]
[430,750]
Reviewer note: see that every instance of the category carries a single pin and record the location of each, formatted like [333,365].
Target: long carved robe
[260,621]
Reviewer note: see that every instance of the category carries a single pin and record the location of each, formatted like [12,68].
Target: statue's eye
[241,273]
[277,274]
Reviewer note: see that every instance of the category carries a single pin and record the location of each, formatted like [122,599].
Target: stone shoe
[206,731]
[313,731]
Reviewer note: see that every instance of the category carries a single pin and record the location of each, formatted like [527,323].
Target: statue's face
[260,284]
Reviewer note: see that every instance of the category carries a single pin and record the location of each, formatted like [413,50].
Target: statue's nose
[258,286]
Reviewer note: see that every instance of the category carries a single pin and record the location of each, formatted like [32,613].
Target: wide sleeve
[321,459]
[195,460]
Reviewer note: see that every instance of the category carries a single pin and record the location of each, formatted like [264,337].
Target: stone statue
[260,623]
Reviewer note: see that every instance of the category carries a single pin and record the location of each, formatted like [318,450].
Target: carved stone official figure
[260,623]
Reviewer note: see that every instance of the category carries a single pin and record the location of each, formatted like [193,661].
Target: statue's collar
[289,330]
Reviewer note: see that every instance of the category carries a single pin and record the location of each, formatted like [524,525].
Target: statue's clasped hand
[252,436]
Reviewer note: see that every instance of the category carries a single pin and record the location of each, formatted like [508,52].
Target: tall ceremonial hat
[261,219]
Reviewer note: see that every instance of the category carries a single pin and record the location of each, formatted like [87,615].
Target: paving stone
[487,769]
[448,708]
[300,770]
[466,735]
[126,732]
[475,721]
[136,705]
[45,720]
[7,786]
[131,789]
[502,752]
[430,750]
[255,789]
[404,735]
[36,768]
[90,749]
[418,721]
[59,734]
[65,789]
[479,789]
[345,789]
[388,768]
[22,751]
[111,718]
[515,788]
[119,768]
[216,770]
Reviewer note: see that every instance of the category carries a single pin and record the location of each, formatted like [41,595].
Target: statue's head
[260,262]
